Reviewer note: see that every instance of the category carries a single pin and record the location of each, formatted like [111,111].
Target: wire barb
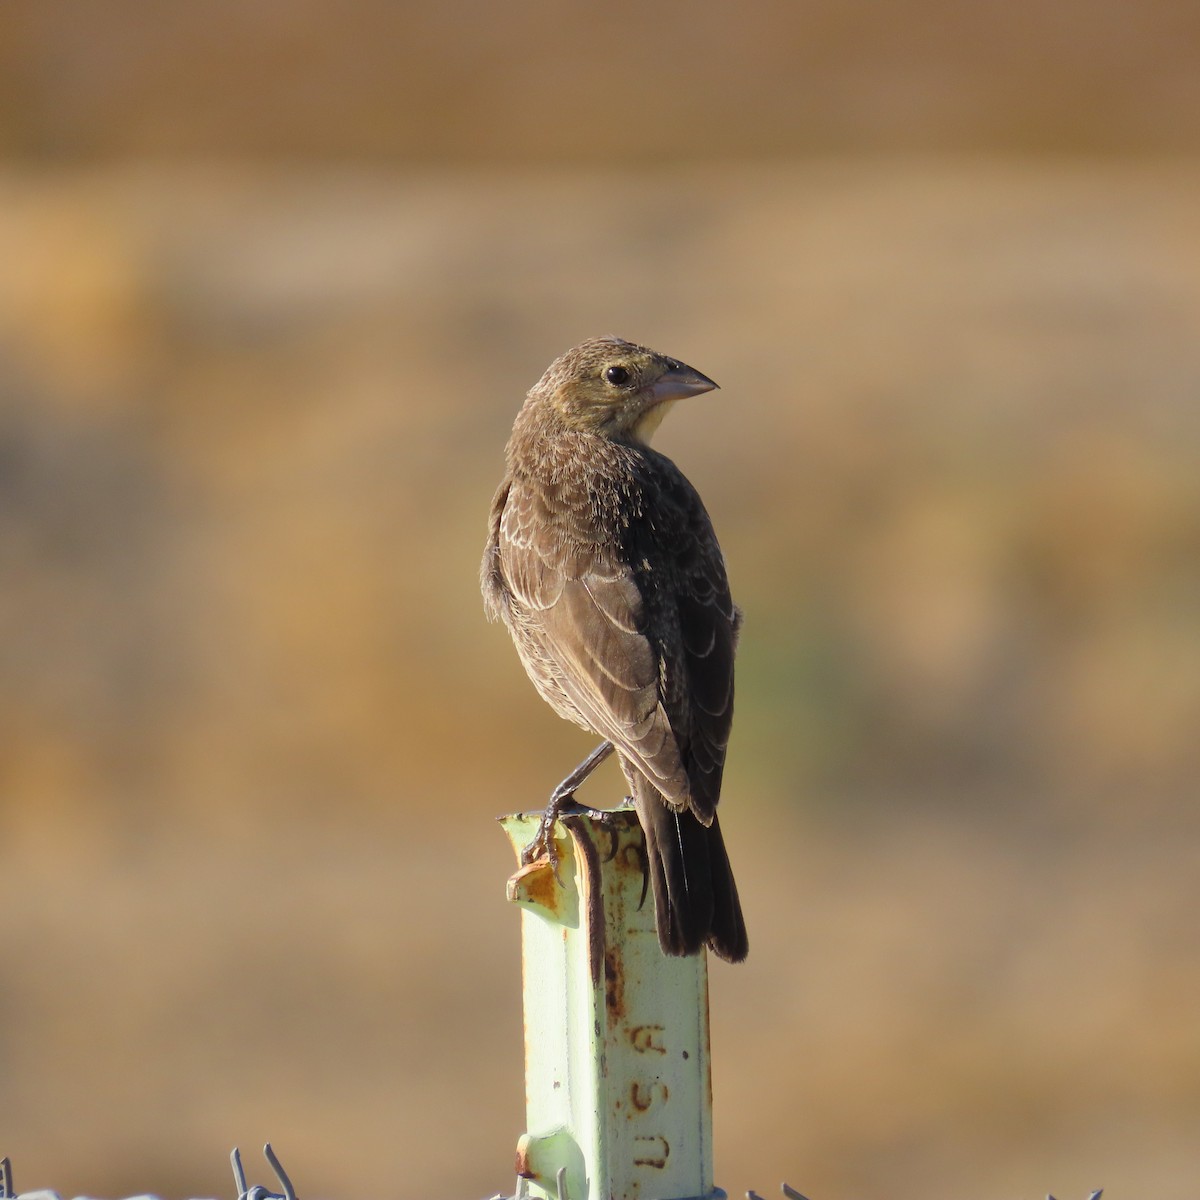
[239,1176]
[271,1157]
[258,1192]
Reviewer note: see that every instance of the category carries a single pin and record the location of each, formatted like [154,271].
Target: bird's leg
[560,798]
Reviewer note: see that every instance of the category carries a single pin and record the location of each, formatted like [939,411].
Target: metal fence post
[617,1085]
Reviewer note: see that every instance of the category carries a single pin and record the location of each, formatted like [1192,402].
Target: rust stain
[535,884]
[651,1152]
[643,1096]
[648,1039]
[614,986]
[524,1169]
[592,893]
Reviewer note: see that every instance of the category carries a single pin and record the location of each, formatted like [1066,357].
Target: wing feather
[633,637]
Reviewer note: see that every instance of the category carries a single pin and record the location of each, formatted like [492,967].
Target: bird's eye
[617,376]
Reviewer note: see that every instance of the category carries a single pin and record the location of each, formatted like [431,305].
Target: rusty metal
[618,1090]
[536,886]
[524,1168]
[588,857]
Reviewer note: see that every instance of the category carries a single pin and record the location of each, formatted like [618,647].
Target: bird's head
[616,388]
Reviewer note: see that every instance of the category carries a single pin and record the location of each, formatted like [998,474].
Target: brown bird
[602,562]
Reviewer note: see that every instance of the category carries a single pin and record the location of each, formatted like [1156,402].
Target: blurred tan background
[274,279]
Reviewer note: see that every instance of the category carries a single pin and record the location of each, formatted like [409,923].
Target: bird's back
[603,563]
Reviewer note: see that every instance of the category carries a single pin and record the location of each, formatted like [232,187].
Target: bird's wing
[581,608]
[699,636]
[640,636]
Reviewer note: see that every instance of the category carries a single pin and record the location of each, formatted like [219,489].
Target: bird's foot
[543,844]
[561,799]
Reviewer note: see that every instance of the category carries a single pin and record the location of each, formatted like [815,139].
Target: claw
[543,844]
[540,847]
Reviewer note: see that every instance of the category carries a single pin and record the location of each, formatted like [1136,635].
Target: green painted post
[618,1094]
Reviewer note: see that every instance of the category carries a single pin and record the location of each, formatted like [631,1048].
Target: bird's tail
[695,897]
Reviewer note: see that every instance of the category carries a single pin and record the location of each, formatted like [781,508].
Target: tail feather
[695,897]
[728,937]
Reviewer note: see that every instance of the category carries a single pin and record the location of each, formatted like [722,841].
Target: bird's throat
[645,427]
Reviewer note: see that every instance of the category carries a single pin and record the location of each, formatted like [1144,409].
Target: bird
[602,562]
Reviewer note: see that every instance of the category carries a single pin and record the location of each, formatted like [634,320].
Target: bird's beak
[679,381]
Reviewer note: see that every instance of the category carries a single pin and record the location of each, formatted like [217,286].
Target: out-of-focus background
[274,278]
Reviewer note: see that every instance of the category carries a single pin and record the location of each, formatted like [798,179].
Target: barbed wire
[258,1191]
